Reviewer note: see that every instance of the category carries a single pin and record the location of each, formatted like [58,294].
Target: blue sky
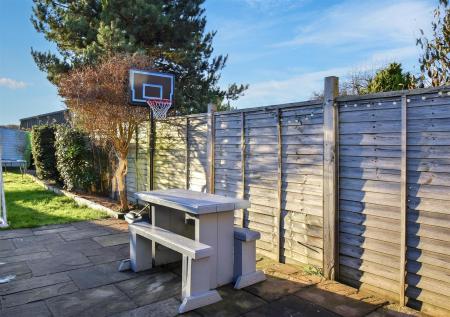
[282,48]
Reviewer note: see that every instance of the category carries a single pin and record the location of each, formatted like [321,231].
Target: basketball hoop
[159,107]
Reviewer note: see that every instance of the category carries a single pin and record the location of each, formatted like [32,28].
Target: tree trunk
[121,171]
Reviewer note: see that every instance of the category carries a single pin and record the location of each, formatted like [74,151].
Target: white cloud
[295,88]
[300,86]
[270,4]
[12,83]
[365,22]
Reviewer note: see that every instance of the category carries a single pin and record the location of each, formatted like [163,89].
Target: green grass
[30,205]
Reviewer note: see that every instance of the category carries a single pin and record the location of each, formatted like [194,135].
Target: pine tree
[171,31]
[390,78]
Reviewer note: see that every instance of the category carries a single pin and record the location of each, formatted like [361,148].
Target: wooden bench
[195,262]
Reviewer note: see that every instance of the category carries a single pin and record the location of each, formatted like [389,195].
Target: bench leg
[195,291]
[140,253]
[245,264]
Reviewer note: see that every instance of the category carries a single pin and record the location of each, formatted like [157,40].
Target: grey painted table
[206,218]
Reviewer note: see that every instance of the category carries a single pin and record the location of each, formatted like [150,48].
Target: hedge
[43,150]
[74,159]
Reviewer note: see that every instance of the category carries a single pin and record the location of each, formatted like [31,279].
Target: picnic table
[203,217]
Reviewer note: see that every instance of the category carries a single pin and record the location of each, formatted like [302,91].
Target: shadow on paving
[71,270]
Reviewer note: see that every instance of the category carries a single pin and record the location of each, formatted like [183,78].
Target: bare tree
[97,97]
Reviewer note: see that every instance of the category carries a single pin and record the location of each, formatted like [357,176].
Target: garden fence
[356,185]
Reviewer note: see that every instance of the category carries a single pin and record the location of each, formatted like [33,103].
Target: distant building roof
[56,117]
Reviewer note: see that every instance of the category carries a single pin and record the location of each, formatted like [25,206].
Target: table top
[192,201]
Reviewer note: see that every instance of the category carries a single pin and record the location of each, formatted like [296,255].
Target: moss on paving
[30,205]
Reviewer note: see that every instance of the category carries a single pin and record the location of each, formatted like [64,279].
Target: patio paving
[71,270]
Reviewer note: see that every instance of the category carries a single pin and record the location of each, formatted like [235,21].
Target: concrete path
[71,270]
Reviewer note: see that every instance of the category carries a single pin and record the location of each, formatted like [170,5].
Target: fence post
[403,197]
[330,178]
[279,229]
[243,148]
[211,148]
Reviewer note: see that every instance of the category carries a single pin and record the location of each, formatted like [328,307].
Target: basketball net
[159,107]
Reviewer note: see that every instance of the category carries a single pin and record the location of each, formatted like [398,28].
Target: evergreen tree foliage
[43,150]
[390,78]
[74,159]
[170,31]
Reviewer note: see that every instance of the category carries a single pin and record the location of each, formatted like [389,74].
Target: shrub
[43,150]
[74,159]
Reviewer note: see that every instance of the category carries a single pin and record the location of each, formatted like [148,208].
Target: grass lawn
[30,205]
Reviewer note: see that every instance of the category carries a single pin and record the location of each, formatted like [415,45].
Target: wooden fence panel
[198,158]
[228,158]
[369,201]
[261,179]
[428,216]
[370,241]
[170,154]
[302,186]
[137,178]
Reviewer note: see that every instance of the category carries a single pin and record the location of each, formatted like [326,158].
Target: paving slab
[54,226]
[59,263]
[340,304]
[18,268]
[99,275]
[37,241]
[291,306]
[54,230]
[151,288]
[109,254]
[98,302]
[164,308]
[16,233]
[113,239]
[274,288]
[37,309]
[234,303]
[33,282]
[84,233]
[26,257]
[37,294]
[21,251]
[83,245]
[6,245]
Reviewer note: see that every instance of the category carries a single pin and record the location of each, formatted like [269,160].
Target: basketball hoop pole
[151,141]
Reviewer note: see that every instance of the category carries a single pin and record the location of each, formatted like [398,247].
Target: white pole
[4,221]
